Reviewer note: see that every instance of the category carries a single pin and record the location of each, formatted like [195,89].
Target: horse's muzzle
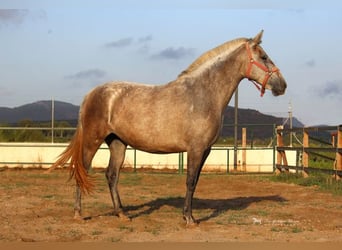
[278,85]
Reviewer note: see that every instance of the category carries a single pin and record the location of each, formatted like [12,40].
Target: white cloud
[174,53]
[87,74]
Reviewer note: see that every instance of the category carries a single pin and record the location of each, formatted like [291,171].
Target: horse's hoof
[77,216]
[123,217]
[192,224]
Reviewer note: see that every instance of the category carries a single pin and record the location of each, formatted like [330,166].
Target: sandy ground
[38,207]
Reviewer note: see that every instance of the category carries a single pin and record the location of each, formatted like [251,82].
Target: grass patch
[287,229]
[154,230]
[127,179]
[48,197]
[296,229]
[42,175]
[262,212]
[323,181]
[276,229]
[126,228]
[238,218]
[130,179]
[73,234]
[115,239]
[96,232]
[96,205]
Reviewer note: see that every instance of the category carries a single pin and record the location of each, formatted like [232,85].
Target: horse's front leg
[195,164]
[187,209]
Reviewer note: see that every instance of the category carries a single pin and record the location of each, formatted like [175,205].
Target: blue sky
[61,50]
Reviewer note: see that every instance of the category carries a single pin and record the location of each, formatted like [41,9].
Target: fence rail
[43,155]
[334,147]
[279,157]
[234,158]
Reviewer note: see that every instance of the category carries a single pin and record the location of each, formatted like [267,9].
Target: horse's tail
[74,153]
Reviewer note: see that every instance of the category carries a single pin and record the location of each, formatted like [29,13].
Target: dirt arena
[38,207]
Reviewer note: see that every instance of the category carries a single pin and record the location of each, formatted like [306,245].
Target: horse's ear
[257,38]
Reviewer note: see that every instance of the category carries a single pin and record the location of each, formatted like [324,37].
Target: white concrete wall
[43,155]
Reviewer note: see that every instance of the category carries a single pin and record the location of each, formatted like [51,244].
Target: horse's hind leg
[77,205]
[88,154]
[117,156]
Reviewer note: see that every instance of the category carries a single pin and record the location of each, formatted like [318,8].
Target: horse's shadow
[218,206]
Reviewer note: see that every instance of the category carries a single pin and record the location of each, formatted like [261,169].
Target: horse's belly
[157,145]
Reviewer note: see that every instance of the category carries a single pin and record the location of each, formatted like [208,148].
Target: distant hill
[41,111]
[251,116]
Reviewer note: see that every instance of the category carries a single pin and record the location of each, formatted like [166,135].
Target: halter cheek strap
[268,72]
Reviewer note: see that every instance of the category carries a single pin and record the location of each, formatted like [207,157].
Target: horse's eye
[264,57]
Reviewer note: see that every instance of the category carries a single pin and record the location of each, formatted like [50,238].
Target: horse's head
[261,69]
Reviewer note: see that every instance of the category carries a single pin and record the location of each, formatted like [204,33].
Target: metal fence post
[275,132]
[244,145]
[227,160]
[180,163]
[135,159]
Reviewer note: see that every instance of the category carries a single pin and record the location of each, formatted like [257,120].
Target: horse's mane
[225,48]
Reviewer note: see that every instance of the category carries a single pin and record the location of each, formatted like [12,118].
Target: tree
[28,135]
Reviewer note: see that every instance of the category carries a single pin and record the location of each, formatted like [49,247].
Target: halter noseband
[268,72]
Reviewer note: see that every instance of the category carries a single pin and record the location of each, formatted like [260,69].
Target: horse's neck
[222,78]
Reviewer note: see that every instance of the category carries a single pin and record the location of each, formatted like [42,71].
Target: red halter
[260,66]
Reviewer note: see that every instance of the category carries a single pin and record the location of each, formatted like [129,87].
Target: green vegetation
[323,181]
[32,131]
[29,131]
